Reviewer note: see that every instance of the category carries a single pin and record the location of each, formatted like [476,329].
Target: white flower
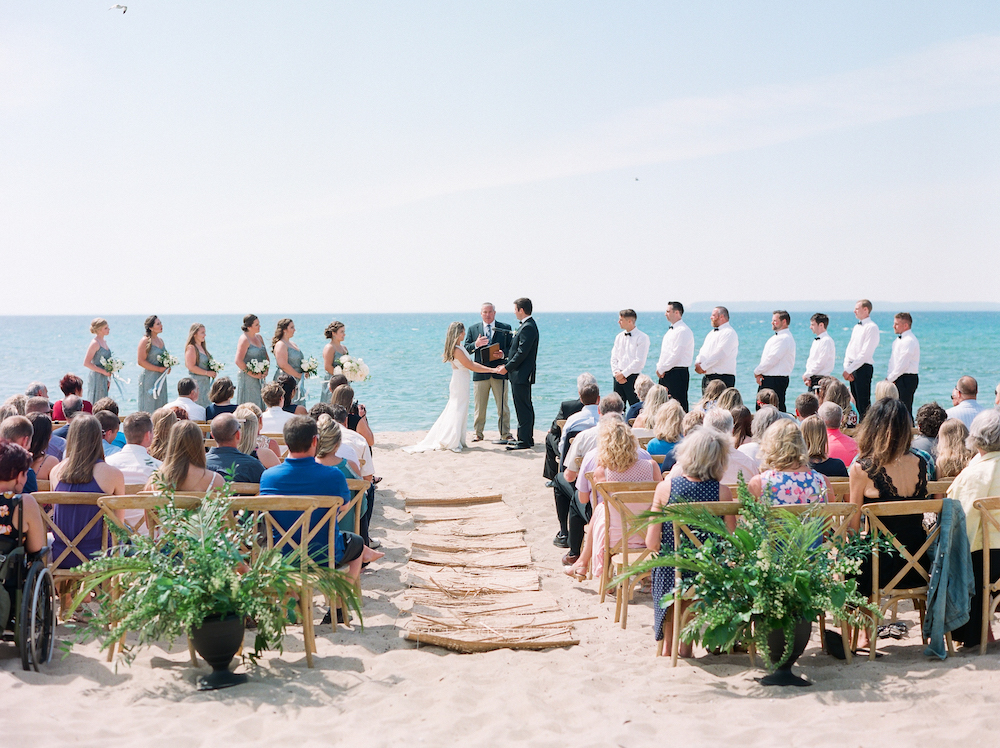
[310,367]
[167,359]
[258,367]
[215,366]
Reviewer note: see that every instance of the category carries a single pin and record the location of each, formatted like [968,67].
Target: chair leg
[305,608]
[194,655]
[987,623]
[626,592]
[659,648]
[951,644]
[822,632]
[675,635]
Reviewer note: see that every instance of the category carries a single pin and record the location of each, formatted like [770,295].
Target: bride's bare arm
[463,358]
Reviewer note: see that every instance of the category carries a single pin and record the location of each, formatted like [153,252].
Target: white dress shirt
[677,348]
[628,354]
[822,356]
[135,463]
[966,412]
[861,349]
[273,420]
[718,352]
[778,356]
[195,412]
[905,357]
[360,446]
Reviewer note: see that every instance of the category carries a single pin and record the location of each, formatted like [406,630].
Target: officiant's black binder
[494,354]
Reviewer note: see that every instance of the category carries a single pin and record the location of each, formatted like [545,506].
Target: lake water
[409,383]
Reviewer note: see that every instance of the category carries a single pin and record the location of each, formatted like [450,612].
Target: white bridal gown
[448,431]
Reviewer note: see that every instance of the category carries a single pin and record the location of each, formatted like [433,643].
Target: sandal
[575,572]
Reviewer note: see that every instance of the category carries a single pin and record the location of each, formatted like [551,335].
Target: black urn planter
[783,676]
[218,640]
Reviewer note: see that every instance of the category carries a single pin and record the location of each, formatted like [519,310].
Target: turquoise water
[409,384]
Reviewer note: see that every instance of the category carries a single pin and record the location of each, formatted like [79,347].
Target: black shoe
[326,619]
[519,445]
[503,441]
[561,540]
[550,483]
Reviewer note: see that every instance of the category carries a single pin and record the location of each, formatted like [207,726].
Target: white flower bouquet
[215,366]
[310,367]
[355,369]
[168,359]
[112,364]
[254,366]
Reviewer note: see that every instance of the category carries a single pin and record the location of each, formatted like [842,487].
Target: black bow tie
[671,327]
[715,329]
[816,338]
[775,333]
[628,335]
[859,322]
[899,337]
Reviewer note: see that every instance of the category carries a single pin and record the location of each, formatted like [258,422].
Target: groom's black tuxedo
[521,370]
[503,339]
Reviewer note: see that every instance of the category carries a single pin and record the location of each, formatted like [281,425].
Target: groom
[480,336]
[521,368]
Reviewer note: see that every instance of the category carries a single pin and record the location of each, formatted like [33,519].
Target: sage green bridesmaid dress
[247,387]
[295,362]
[204,383]
[97,384]
[147,379]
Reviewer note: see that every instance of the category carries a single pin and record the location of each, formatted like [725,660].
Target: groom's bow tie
[628,335]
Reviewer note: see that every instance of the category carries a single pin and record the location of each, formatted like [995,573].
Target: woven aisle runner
[471,582]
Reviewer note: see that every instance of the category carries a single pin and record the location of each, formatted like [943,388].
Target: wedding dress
[448,431]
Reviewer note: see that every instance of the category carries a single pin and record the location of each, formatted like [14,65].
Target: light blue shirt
[583,419]
[110,449]
[966,411]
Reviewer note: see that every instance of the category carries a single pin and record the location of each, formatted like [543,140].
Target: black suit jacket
[472,335]
[523,351]
[568,408]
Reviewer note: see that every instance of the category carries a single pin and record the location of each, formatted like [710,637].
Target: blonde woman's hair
[83,449]
[704,454]
[783,447]
[190,338]
[617,446]
[952,454]
[96,324]
[329,437]
[837,392]
[248,415]
[713,390]
[185,448]
[691,421]
[816,439]
[729,399]
[163,420]
[668,423]
[885,388]
[655,397]
[455,332]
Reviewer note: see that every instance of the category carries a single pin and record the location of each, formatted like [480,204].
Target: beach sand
[373,688]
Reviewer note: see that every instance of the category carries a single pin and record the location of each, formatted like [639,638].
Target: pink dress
[642,470]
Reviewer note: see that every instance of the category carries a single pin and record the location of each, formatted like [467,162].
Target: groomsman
[904,360]
[822,353]
[481,335]
[676,353]
[777,359]
[717,357]
[859,358]
[628,355]
[521,367]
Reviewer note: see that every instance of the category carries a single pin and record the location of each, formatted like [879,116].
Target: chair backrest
[718,508]
[644,440]
[838,515]
[658,459]
[357,489]
[561,423]
[123,511]
[874,514]
[628,505]
[606,488]
[48,501]
[44,485]
[939,486]
[245,489]
[294,537]
[989,509]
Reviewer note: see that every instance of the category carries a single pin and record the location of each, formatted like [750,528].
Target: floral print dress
[798,487]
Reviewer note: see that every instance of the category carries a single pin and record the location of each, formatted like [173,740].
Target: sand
[372,688]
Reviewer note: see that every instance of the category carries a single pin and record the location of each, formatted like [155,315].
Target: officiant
[488,342]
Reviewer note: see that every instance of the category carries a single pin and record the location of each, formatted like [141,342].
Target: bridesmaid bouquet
[215,366]
[112,364]
[167,359]
[355,369]
[310,367]
[255,366]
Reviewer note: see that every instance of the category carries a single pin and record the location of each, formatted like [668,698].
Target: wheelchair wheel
[36,620]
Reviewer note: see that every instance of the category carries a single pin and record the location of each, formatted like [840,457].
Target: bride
[448,431]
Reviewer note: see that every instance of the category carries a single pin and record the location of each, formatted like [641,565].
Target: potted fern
[198,577]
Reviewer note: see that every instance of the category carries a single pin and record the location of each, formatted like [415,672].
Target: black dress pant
[972,631]
[676,381]
[861,389]
[521,393]
[564,494]
[551,456]
[728,379]
[779,385]
[814,382]
[907,386]
[627,390]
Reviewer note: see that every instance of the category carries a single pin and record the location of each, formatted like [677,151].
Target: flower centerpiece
[355,369]
[215,366]
[255,366]
[310,367]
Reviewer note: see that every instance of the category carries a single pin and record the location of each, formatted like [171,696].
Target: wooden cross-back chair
[44,486]
[892,594]
[357,489]
[604,490]
[989,509]
[658,459]
[628,505]
[48,501]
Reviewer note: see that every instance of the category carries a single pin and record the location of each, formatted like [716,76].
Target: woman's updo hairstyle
[332,328]
[148,327]
[248,322]
[97,324]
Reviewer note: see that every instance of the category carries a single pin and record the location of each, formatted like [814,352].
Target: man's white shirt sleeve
[677,348]
[778,356]
[628,354]
[822,357]
[905,358]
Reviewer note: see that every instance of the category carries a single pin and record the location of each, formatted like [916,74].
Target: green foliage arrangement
[199,565]
[776,569]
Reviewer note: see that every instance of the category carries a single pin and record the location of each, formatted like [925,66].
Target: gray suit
[483,384]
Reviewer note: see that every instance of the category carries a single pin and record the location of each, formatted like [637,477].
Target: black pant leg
[521,394]
[727,379]
[676,381]
[564,494]
[861,389]
[627,389]
[907,386]
[551,456]
[366,518]
[779,385]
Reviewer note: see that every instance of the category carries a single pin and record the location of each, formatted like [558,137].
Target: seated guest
[553,438]
[618,459]
[226,456]
[806,404]
[220,397]
[979,479]
[953,454]
[834,391]
[177,410]
[355,441]
[42,461]
[357,416]
[109,430]
[184,468]
[273,420]
[585,418]
[301,475]
[710,394]
[656,396]
[41,406]
[701,461]
[742,425]
[18,402]
[343,451]
[72,407]
[885,388]
[963,398]
[818,449]
[667,429]
[328,441]
[642,385]
[739,463]
[134,459]
[37,389]
[252,442]
[841,446]
[766,415]
[691,421]
[787,477]
[187,397]
[70,384]
[929,418]
[18,429]
[729,399]
[767,396]
[163,420]
[291,387]
[106,403]
[14,465]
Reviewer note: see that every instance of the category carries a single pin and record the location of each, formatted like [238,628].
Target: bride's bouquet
[254,366]
[112,364]
[215,366]
[310,367]
[355,369]
[168,359]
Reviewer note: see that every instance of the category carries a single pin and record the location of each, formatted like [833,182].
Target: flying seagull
[123,8]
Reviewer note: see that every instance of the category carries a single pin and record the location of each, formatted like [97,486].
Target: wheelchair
[27,599]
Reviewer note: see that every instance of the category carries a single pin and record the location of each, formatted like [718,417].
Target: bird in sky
[122,8]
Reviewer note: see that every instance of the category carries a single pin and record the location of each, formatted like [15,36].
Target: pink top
[842,447]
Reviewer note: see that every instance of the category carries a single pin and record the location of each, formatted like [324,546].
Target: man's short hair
[108,420]
[590,394]
[35,389]
[72,405]
[806,404]
[905,317]
[339,413]
[7,411]
[299,432]
[584,379]
[136,426]
[866,304]
[320,409]
[767,396]
[831,414]
[720,419]
[16,427]
[968,386]
[106,403]
[611,403]
[929,418]
[524,304]
[272,394]
[628,314]
[723,311]
[643,384]
[225,427]
[783,315]
[37,405]
[676,306]
[820,319]
[487,304]
[186,386]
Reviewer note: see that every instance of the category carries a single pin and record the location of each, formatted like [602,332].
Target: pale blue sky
[363,157]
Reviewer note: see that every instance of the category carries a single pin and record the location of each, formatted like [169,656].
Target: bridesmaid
[250,347]
[98,378]
[332,352]
[287,355]
[196,358]
[148,358]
